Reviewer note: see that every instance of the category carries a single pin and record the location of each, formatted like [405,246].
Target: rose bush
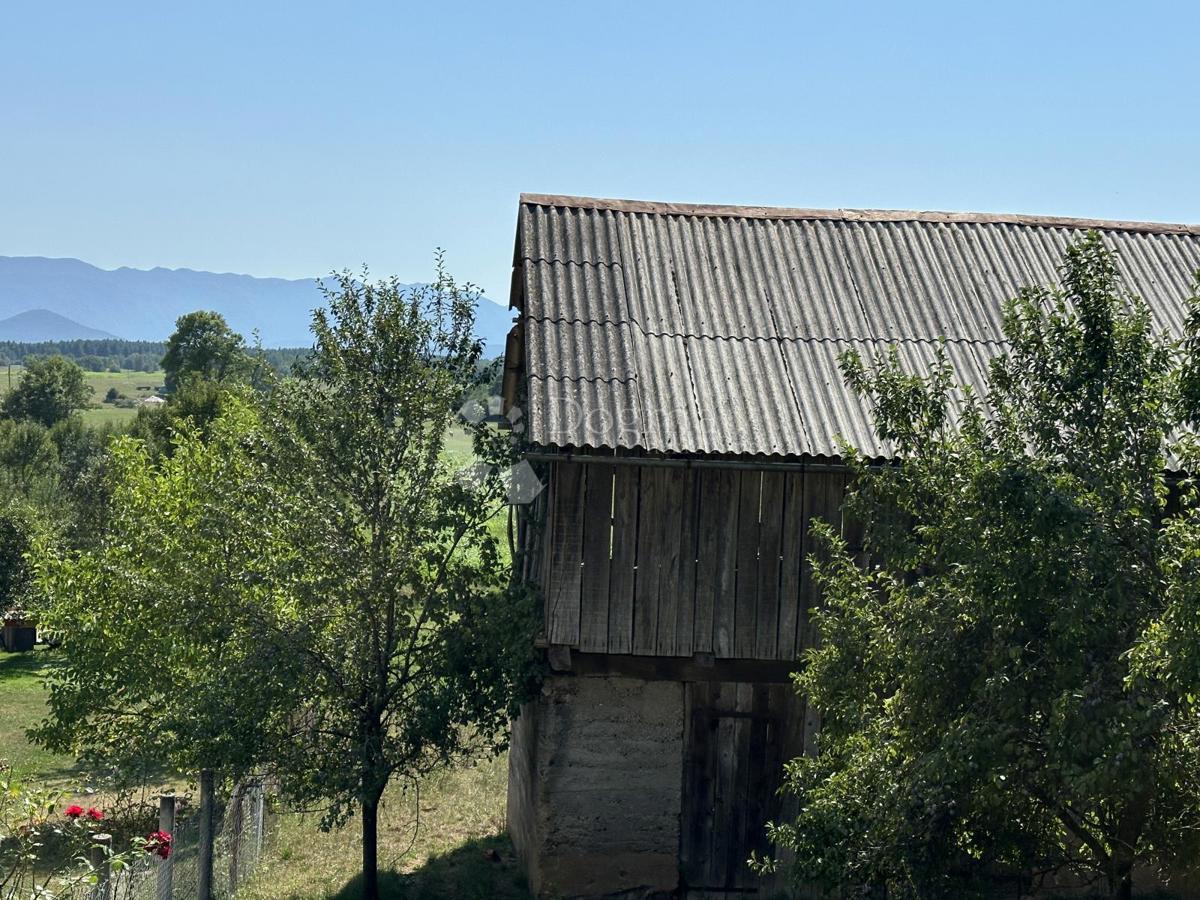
[44,852]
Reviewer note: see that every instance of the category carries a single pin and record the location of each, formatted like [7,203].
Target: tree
[49,391]
[161,618]
[1009,686]
[417,648]
[204,345]
[16,541]
[334,596]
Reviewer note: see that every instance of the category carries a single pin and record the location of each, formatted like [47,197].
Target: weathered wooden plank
[726,800]
[684,577]
[566,555]
[543,527]
[597,552]
[668,553]
[818,488]
[652,508]
[759,776]
[739,873]
[716,556]
[793,553]
[770,547]
[746,598]
[700,783]
[624,559]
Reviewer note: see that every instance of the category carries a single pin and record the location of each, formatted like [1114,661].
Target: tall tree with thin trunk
[416,647]
[329,582]
[1010,685]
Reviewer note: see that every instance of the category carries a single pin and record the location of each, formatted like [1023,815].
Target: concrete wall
[594,788]
[521,774]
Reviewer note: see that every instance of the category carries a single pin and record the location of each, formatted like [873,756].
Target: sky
[295,138]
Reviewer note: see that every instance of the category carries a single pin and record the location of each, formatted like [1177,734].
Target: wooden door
[737,738]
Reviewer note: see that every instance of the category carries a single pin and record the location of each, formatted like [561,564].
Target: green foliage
[204,346]
[1009,686]
[418,648]
[305,581]
[16,541]
[196,403]
[49,391]
[160,620]
[44,855]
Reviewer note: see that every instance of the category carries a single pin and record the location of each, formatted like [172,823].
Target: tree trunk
[1121,880]
[1122,886]
[370,848]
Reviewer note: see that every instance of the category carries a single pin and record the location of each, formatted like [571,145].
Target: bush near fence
[215,846]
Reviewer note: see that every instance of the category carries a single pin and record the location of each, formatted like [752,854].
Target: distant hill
[36,325]
[140,304]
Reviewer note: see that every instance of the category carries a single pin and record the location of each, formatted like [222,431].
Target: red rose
[73,811]
[158,843]
[94,814]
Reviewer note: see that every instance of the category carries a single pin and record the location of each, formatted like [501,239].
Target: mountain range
[66,299]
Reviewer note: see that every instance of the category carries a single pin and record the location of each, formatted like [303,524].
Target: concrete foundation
[595,780]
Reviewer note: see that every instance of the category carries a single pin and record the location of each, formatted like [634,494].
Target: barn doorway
[736,740]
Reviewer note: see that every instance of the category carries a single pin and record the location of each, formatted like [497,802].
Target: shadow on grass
[480,869]
[29,663]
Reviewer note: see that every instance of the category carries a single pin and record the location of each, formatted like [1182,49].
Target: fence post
[166,867]
[205,857]
[100,855]
[259,817]
[235,820]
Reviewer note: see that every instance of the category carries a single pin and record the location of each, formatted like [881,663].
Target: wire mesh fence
[237,840]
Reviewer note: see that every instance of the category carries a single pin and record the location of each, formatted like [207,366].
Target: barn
[676,372]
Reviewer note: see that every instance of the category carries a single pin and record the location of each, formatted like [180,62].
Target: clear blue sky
[292,138]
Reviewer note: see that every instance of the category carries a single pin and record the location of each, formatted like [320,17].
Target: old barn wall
[672,561]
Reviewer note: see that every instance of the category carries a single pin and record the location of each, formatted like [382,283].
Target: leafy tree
[204,345]
[27,453]
[16,541]
[334,601]
[1010,685]
[49,391]
[418,649]
[161,618]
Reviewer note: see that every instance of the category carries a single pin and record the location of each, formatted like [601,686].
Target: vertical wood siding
[663,561]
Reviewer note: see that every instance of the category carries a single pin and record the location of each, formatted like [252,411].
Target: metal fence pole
[204,875]
[100,854]
[166,867]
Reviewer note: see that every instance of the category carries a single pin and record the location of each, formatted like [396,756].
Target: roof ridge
[852,215]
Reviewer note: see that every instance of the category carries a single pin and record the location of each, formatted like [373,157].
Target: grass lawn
[458,444]
[450,845]
[22,705]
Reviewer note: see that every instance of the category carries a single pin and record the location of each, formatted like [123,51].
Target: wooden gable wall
[673,561]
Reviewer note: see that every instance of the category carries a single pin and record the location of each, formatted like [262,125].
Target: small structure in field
[152,401]
[677,371]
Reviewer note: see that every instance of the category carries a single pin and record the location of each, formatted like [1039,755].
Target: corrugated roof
[717,330]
